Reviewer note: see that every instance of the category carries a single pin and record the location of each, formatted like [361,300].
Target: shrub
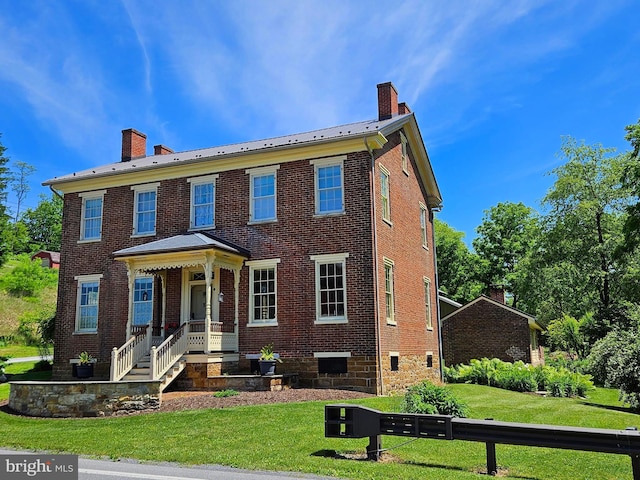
[36,326]
[426,397]
[29,278]
[226,393]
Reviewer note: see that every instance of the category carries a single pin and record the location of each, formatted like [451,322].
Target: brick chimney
[161,150]
[403,108]
[496,292]
[387,101]
[134,144]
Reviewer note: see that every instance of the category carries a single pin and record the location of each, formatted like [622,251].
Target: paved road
[90,469]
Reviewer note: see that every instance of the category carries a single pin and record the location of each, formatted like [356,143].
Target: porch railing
[164,356]
[222,337]
[124,358]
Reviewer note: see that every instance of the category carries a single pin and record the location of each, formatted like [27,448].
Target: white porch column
[208,273]
[236,299]
[163,284]
[131,276]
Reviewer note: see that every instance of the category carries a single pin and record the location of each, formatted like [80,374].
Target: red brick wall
[401,241]
[485,329]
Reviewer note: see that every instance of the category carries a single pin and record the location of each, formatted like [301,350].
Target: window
[263,275]
[87,303]
[331,288]
[142,301]
[332,363]
[262,185]
[429,359]
[203,200]
[144,212]
[384,193]
[91,222]
[394,359]
[423,225]
[388,291]
[427,302]
[329,186]
[405,156]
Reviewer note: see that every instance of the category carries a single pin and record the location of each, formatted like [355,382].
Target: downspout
[375,269]
[56,193]
[438,315]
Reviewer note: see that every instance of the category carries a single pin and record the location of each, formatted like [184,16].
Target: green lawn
[291,437]
[16,351]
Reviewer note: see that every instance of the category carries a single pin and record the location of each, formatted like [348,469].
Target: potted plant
[84,369]
[267,360]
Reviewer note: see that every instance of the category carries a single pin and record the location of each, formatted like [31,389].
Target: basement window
[395,363]
[332,365]
[429,360]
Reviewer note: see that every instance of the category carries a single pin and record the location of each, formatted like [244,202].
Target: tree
[19,183]
[631,179]
[457,266]
[506,238]
[44,224]
[568,334]
[584,220]
[4,218]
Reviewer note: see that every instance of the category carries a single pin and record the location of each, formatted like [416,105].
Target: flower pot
[267,367]
[84,371]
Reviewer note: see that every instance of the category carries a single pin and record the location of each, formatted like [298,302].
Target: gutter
[56,192]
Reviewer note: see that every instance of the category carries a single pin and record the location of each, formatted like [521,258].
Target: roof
[55,256]
[179,243]
[533,322]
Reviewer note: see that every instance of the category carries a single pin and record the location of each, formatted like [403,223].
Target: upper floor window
[329,185]
[423,225]
[331,287]
[142,301]
[263,284]
[405,155]
[388,292]
[203,201]
[262,186]
[384,194]
[144,212]
[91,221]
[87,303]
[427,302]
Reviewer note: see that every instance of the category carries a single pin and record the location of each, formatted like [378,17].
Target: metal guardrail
[354,421]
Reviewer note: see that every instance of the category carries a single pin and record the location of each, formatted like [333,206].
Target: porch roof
[183,243]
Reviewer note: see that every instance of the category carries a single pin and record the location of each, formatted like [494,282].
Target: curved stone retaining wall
[83,399]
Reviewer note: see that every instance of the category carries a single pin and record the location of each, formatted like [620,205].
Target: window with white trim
[262,194]
[91,220]
[384,194]
[142,301]
[331,287]
[405,155]
[203,201]
[263,288]
[329,186]
[427,302]
[388,292]
[87,303]
[144,211]
[423,225]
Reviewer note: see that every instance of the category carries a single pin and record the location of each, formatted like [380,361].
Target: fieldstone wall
[83,399]
[211,377]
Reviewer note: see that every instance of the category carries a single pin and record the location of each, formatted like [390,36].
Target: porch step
[142,371]
[172,373]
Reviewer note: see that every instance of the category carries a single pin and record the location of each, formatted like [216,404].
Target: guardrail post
[635,466]
[374,447]
[492,464]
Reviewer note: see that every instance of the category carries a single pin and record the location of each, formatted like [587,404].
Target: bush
[29,278]
[560,359]
[226,393]
[428,398]
[36,326]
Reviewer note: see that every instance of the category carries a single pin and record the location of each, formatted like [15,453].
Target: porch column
[236,298]
[208,273]
[163,284]
[131,276]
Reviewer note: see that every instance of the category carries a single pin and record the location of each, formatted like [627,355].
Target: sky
[494,84]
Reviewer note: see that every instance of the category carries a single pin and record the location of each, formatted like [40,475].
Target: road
[90,469]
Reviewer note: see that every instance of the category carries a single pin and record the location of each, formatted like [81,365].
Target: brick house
[320,243]
[488,328]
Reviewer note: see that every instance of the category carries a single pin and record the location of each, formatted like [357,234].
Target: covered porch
[185,315]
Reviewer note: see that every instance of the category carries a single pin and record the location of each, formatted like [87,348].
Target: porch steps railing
[123,359]
[142,371]
[166,355]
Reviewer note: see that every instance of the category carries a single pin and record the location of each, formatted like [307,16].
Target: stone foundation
[211,377]
[412,369]
[83,399]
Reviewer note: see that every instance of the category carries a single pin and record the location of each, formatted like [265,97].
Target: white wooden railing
[165,355]
[124,358]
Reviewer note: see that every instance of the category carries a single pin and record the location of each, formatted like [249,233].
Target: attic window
[405,155]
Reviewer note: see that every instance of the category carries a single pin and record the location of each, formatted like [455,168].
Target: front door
[195,301]
[198,309]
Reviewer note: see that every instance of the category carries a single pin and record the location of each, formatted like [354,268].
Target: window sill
[139,235]
[90,240]
[265,324]
[392,323]
[430,329]
[387,221]
[201,228]
[88,332]
[329,214]
[258,222]
[425,247]
[336,321]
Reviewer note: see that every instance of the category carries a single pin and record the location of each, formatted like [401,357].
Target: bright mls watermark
[49,467]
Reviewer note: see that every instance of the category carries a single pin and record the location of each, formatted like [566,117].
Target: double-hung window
[423,225]
[263,287]
[388,292]
[144,211]
[203,202]
[329,185]
[262,194]
[91,221]
[331,287]
[427,302]
[384,194]
[142,301]
[87,303]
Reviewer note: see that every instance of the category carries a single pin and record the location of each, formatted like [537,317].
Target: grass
[21,371]
[16,351]
[290,437]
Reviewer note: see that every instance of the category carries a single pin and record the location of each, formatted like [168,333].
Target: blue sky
[494,84]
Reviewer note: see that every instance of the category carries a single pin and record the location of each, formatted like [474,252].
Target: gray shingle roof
[352,130]
[187,241]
